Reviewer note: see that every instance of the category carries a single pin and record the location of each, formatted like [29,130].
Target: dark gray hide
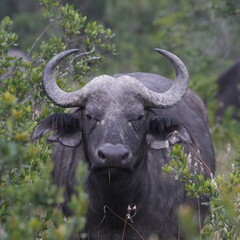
[125,145]
[229,91]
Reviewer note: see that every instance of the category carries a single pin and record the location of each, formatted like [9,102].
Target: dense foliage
[223,191]
[28,200]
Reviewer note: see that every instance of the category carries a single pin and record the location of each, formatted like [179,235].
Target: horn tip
[159,50]
[74,50]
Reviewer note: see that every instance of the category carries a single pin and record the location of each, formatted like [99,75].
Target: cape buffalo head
[113,118]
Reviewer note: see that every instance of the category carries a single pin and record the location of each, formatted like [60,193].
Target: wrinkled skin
[118,119]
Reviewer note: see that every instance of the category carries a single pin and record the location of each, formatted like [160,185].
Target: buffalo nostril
[113,156]
[101,155]
[113,153]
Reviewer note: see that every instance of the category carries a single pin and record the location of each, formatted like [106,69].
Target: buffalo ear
[66,129]
[165,131]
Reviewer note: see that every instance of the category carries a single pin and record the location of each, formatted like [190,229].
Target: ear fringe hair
[162,124]
[63,121]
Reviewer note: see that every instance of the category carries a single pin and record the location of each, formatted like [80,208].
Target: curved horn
[153,99]
[54,93]
[69,99]
[178,88]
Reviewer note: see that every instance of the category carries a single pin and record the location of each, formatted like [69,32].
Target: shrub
[28,200]
[222,191]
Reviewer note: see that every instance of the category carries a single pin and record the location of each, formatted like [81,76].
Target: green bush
[222,191]
[28,199]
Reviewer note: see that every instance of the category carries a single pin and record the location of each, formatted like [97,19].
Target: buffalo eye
[88,116]
[140,117]
[137,118]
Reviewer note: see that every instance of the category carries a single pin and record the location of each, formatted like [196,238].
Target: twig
[179,232]
[130,225]
[86,60]
[46,28]
[199,220]
[208,171]
[109,176]
[82,54]
[124,228]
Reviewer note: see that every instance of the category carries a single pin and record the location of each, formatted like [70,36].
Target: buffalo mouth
[112,172]
[112,169]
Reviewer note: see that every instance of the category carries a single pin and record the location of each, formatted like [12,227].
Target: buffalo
[123,127]
[229,91]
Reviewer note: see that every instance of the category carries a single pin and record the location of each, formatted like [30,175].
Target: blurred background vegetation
[204,34]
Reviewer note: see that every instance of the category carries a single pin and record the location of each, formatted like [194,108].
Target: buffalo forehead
[114,100]
[114,87]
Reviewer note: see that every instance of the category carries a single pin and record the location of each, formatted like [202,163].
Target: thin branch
[199,220]
[89,60]
[46,28]
[130,225]
[70,68]
[124,228]
[82,54]
[199,159]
